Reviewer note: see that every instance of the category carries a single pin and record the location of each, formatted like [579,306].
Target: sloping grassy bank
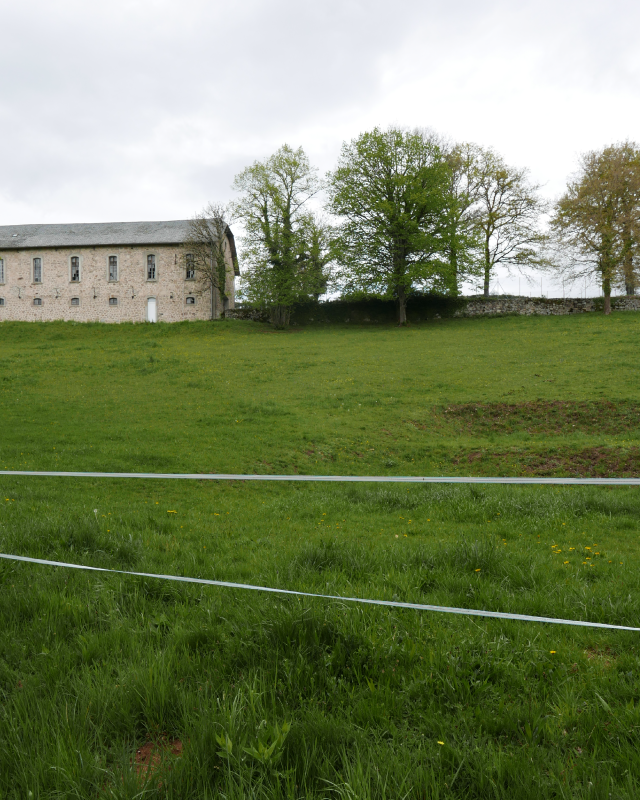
[272,696]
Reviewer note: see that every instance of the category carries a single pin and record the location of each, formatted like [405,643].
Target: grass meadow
[113,686]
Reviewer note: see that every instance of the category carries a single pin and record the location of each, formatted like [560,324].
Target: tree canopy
[391,193]
[285,246]
[597,219]
[507,215]
[411,212]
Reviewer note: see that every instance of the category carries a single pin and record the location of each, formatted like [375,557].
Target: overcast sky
[146,109]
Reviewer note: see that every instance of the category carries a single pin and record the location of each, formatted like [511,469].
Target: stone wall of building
[94,290]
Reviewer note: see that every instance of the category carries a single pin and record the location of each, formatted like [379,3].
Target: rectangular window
[113,301]
[75,269]
[37,301]
[75,301]
[191,267]
[37,270]
[1,301]
[191,301]
[1,270]
[113,268]
[151,268]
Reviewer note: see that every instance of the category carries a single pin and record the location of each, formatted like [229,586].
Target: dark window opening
[113,301]
[75,269]
[37,301]
[113,268]
[191,301]
[151,268]
[191,267]
[75,301]
[37,270]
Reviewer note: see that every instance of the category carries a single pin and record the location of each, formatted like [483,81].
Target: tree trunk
[629,275]
[453,256]
[280,316]
[487,264]
[627,263]
[213,300]
[402,306]
[606,288]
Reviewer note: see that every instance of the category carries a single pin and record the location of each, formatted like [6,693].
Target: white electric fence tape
[338,478]
[393,603]
[208,476]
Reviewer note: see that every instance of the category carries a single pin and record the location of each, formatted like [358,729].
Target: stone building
[106,272]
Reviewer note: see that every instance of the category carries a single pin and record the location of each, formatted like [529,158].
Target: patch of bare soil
[605,657]
[588,462]
[542,416]
[151,759]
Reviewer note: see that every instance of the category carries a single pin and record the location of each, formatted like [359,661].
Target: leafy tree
[507,214]
[391,191]
[314,261]
[209,253]
[284,245]
[597,220]
[464,190]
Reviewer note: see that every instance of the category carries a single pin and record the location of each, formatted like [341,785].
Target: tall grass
[284,697]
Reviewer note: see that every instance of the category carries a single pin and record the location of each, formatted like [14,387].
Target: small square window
[151,268]
[37,301]
[113,268]
[75,269]
[113,301]
[37,270]
[191,301]
[75,301]
[1,301]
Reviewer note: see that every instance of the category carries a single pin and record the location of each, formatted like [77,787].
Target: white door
[152,310]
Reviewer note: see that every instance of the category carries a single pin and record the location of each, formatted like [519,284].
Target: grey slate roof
[93,234]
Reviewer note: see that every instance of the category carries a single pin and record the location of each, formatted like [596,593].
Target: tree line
[406,211]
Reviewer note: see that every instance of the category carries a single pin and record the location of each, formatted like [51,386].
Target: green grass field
[245,694]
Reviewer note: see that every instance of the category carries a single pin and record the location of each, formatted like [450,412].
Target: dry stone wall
[528,306]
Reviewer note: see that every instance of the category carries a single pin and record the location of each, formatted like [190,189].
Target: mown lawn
[357,701]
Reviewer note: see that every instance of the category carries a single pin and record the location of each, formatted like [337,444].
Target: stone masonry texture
[94,290]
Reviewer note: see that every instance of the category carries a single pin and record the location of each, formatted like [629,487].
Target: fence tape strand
[214,476]
[473,612]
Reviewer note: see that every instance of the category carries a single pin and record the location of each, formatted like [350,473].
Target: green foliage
[362,309]
[597,220]
[391,189]
[285,246]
